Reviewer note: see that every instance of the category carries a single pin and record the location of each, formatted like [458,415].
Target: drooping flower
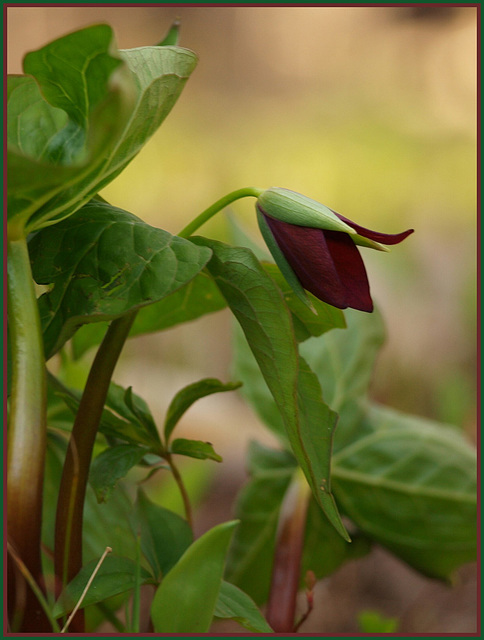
[315,248]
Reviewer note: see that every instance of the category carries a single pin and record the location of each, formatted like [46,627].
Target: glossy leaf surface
[195,299]
[102,263]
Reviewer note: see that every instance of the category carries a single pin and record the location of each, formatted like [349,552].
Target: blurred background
[370,110]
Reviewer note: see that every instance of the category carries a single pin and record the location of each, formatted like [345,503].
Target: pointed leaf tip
[171,37]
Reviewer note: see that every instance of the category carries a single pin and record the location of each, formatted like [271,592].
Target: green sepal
[294,208]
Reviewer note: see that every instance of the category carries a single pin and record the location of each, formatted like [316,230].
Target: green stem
[187,231]
[181,486]
[70,504]
[27,435]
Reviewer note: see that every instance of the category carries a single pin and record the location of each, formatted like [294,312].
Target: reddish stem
[281,608]
[70,504]
[27,433]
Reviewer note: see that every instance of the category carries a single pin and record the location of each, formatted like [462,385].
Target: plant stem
[216,207]
[27,435]
[281,608]
[182,488]
[34,586]
[70,504]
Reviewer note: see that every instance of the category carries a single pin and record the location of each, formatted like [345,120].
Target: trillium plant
[88,543]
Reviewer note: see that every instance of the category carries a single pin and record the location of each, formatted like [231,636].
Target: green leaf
[257,304]
[171,38]
[194,449]
[373,622]
[32,123]
[324,551]
[196,298]
[105,524]
[53,144]
[117,419]
[344,362]
[410,484]
[111,465]
[184,399]
[314,320]
[236,605]
[77,85]
[116,575]
[254,388]
[249,564]
[114,101]
[165,536]
[104,262]
[186,599]
[138,408]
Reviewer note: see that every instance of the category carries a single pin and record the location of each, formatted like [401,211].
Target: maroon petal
[326,269]
[351,270]
[384,238]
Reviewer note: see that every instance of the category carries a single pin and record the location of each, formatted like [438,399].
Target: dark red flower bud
[322,260]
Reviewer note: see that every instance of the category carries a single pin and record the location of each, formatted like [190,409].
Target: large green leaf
[344,363]
[410,484]
[165,536]
[258,305]
[102,263]
[184,399]
[186,599]
[236,605]
[254,387]
[113,102]
[65,117]
[324,550]
[197,298]
[115,576]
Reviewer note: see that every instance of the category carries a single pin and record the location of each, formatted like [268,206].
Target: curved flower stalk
[315,248]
